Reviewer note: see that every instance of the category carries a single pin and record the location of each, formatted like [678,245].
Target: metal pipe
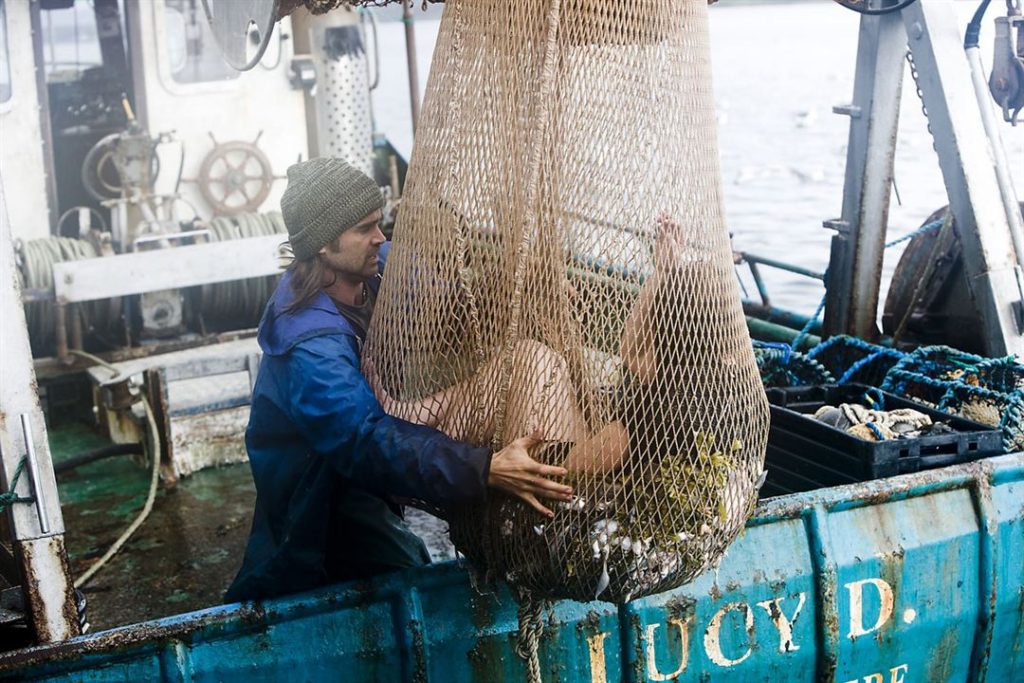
[762,290]
[33,473]
[61,332]
[780,316]
[76,327]
[781,265]
[410,58]
[766,331]
[988,120]
[375,81]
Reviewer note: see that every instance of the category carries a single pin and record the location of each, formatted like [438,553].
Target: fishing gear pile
[879,425]
[986,390]
[561,266]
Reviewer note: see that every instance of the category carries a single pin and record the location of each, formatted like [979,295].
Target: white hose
[154,480]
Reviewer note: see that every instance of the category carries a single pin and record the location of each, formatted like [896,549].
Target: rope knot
[10,496]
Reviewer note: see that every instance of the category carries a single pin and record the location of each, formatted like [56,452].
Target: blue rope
[852,370]
[875,398]
[840,340]
[867,360]
[876,430]
[786,349]
[810,323]
[907,376]
[928,227]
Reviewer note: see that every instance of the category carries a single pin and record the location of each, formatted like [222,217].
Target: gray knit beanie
[324,198]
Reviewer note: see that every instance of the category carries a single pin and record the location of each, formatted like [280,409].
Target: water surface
[779,68]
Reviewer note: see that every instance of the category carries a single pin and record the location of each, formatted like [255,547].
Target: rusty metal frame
[970,171]
[37,528]
[855,266]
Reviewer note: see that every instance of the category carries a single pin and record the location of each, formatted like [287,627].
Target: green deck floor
[183,556]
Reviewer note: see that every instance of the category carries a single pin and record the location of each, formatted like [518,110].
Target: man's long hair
[307,279]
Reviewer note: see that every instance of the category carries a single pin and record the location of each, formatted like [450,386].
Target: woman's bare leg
[541,400]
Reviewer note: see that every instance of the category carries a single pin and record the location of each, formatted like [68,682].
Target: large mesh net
[561,266]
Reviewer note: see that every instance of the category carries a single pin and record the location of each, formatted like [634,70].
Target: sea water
[779,68]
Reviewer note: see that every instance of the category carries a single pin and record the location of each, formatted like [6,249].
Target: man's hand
[515,472]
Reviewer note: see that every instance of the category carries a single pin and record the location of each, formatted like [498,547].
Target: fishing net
[561,265]
[854,360]
[781,366]
[989,391]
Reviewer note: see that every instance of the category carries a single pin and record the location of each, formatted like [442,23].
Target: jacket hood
[280,330]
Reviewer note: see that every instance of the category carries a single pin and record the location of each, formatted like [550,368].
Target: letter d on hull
[856,589]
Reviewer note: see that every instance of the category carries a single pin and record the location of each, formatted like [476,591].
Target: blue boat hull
[914,578]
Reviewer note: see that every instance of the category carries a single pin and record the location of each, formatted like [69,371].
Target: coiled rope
[240,302]
[37,260]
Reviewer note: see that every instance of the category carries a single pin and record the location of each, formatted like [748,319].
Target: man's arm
[341,419]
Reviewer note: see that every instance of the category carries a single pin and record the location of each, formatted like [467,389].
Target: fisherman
[325,457]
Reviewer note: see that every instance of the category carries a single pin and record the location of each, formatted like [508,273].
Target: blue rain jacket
[315,431]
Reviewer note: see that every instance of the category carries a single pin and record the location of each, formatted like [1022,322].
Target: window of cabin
[71,43]
[192,52]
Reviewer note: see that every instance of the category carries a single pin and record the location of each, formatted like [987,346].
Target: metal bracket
[302,74]
[837,224]
[851,110]
[33,472]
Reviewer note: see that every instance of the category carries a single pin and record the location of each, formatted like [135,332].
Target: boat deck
[185,554]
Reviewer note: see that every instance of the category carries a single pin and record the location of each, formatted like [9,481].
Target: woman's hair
[307,281]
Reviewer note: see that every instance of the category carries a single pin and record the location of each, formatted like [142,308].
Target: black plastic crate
[805,454]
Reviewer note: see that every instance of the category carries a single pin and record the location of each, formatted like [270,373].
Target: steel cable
[240,301]
[37,260]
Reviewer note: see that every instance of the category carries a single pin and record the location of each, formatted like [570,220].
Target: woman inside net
[541,397]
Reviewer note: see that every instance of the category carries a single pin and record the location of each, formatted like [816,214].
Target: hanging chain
[920,95]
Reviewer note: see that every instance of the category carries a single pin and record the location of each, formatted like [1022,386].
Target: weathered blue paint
[914,578]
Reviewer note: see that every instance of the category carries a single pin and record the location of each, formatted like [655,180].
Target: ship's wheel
[235,177]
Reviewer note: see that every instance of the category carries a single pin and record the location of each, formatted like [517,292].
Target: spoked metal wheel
[235,177]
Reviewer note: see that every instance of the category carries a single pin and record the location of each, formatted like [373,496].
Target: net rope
[561,266]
